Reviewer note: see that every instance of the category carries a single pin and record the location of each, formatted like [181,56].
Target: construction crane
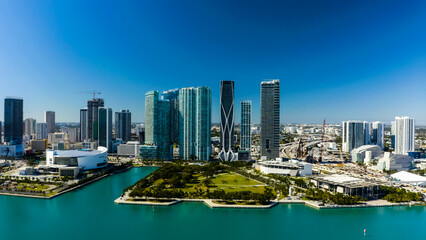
[301,149]
[93,92]
[322,141]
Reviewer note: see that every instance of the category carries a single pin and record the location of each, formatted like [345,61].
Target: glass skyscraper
[92,118]
[245,132]
[157,124]
[123,125]
[105,128]
[83,124]
[353,135]
[227,120]
[378,133]
[13,120]
[270,119]
[195,123]
[173,97]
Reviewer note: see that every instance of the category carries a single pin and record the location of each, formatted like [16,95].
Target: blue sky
[340,60]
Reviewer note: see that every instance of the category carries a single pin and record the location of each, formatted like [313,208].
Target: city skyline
[328,57]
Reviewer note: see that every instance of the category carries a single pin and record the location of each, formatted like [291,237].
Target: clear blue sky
[358,60]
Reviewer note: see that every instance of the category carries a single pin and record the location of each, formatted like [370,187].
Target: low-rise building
[243,155]
[409,178]
[148,152]
[347,185]
[131,148]
[39,145]
[398,162]
[55,138]
[285,168]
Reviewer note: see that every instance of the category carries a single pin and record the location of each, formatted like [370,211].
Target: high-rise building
[245,132]
[123,125]
[227,121]
[173,97]
[378,133]
[72,133]
[1,133]
[92,118]
[195,123]
[404,135]
[353,135]
[13,119]
[157,124]
[49,118]
[270,119]
[367,132]
[140,132]
[41,131]
[29,126]
[105,127]
[83,124]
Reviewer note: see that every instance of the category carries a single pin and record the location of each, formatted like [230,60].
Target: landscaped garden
[208,181]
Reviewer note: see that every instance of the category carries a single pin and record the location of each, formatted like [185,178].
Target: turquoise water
[90,213]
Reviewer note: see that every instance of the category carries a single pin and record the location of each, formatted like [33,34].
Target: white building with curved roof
[366,153]
[85,159]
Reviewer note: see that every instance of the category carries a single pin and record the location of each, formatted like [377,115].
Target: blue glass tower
[13,119]
[157,125]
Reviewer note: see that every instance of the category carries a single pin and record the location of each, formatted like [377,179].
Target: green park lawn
[229,182]
[32,186]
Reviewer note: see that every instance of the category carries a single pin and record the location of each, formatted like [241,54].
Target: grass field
[229,182]
[32,186]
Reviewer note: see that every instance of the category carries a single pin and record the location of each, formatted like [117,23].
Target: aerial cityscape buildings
[157,124]
[13,119]
[270,118]
[404,135]
[49,118]
[173,97]
[353,135]
[105,128]
[41,131]
[123,124]
[29,128]
[92,118]
[227,121]
[194,123]
[245,131]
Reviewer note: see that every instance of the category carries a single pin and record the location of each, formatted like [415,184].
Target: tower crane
[322,141]
[93,92]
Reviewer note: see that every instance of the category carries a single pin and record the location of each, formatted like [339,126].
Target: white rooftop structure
[406,177]
[288,168]
[85,159]
[338,178]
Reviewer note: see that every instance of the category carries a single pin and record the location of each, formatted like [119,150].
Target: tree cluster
[393,194]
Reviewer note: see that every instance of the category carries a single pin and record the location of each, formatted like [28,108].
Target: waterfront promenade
[214,204]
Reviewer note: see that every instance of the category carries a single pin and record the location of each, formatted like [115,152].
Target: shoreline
[312,204]
[68,189]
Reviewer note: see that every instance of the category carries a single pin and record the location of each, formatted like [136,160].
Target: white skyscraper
[404,135]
